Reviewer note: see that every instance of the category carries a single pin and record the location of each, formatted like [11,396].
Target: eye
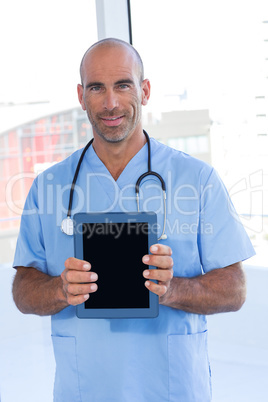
[95,88]
[123,86]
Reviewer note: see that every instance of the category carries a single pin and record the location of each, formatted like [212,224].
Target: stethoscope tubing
[67,224]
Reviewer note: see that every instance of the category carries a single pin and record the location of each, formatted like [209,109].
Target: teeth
[112,118]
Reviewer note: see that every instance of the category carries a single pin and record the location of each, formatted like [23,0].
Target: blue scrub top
[127,360]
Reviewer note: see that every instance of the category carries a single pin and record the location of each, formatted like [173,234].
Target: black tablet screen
[115,252]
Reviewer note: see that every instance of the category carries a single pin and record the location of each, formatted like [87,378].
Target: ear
[146,91]
[80,92]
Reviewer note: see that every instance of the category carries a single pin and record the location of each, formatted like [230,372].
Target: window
[195,64]
[194,145]
[41,49]
[212,55]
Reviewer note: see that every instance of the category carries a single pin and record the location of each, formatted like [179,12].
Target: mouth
[112,121]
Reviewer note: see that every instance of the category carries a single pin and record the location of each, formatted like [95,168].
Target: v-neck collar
[135,167]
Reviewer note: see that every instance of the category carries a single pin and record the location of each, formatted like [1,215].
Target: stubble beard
[113,134]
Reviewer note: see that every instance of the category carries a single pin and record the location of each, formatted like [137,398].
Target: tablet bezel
[116,217]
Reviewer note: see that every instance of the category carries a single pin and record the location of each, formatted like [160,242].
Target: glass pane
[196,66]
[212,56]
[177,143]
[38,87]
[191,145]
[202,144]
[41,49]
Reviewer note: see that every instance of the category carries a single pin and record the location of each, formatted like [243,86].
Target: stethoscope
[67,225]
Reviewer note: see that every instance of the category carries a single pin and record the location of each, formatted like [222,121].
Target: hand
[160,258]
[78,282]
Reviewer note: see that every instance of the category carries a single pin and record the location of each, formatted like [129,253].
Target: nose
[110,101]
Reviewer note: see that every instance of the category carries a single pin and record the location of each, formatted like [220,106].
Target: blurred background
[208,66]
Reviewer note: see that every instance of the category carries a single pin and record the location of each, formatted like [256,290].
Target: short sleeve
[222,239]
[30,250]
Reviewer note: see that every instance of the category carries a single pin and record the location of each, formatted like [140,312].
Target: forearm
[37,293]
[220,290]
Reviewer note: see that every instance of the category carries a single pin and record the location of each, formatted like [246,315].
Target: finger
[160,249]
[75,300]
[73,276]
[162,275]
[74,289]
[157,288]
[160,261]
[76,264]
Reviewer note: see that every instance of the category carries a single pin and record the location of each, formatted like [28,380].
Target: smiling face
[112,92]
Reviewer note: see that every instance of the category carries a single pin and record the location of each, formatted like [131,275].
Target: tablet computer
[114,244]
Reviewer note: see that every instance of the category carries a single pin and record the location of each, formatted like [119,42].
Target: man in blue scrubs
[199,269]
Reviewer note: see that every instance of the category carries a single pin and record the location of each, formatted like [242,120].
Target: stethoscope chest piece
[67,226]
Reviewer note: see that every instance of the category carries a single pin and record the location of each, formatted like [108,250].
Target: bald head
[110,43]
